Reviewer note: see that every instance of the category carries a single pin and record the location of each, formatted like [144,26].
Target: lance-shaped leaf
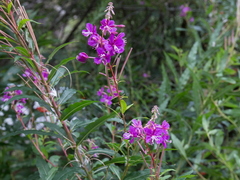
[75,108]
[39,132]
[56,50]
[93,126]
[55,68]
[67,94]
[24,21]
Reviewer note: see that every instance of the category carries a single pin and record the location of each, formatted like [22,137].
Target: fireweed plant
[84,158]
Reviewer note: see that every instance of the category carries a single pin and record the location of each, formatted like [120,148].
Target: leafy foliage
[189,69]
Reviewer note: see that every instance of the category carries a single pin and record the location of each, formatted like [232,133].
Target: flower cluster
[36,78]
[184,11]
[151,133]
[18,105]
[107,94]
[106,47]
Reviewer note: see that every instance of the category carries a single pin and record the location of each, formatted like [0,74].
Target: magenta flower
[108,25]
[45,74]
[117,43]
[103,57]
[96,41]
[19,108]
[184,10]
[191,19]
[106,95]
[100,92]
[27,73]
[18,92]
[82,57]
[6,97]
[90,30]
[106,99]
[152,133]
[17,104]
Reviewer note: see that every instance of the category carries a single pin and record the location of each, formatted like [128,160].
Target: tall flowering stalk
[107,44]
[153,136]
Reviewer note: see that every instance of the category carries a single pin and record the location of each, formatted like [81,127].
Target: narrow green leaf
[93,126]
[9,7]
[8,39]
[133,161]
[192,60]
[24,21]
[23,51]
[23,89]
[123,106]
[66,173]
[58,76]
[55,128]
[34,98]
[74,108]
[102,151]
[178,145]
[67,94]
[55,68]
[43,168]
[51,173]
[115,170]
[163,93]
[171,67]
[144,174]
[196,93]
[205,124]
[56,50]
[29,61]
[167,170]
[39,132]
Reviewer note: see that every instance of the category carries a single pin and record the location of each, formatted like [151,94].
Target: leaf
[143,174]
[196,93]
[22,88]
[57,77]
[8,39]
[55,128]
[56,50]
[9,7]
[42,168]
[178,145]
[39,132]
[74,108]
[24,21]
[205,124]
[93,126]
[192,60]
[23,51]
[163,93]
[67,94]
[45,172]
[34,98]
[29,61]
[65,173]
[55,68]
[123,106]
[172,67]
[166,170]
[102,151]
[133,161]
[115,170]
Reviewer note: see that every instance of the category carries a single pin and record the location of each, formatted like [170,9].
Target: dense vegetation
[184,59]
